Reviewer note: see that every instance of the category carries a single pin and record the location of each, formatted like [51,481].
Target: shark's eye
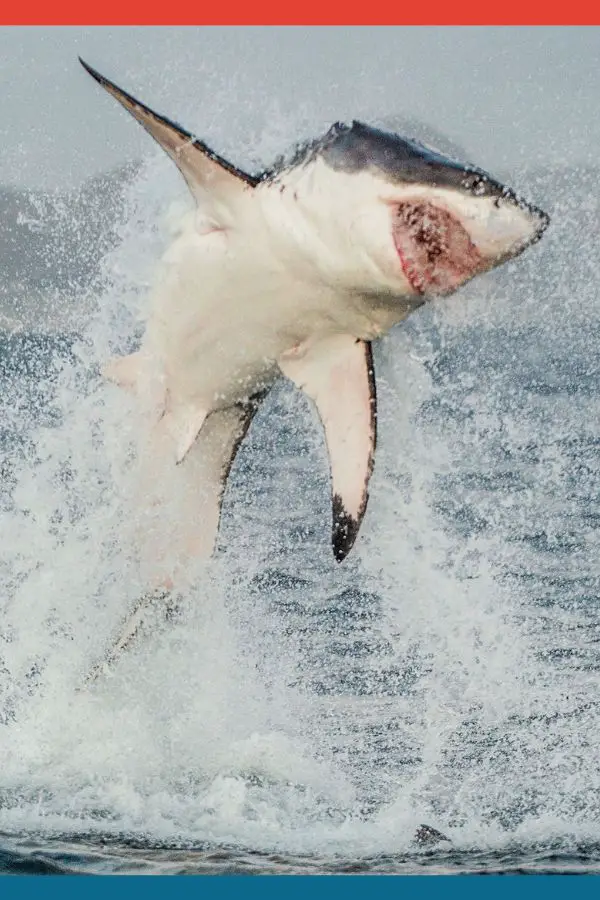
[476,183]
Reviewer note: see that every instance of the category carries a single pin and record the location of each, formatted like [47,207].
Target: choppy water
[300,716]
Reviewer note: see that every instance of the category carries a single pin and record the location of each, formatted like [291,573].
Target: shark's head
[397,214]
[366,210]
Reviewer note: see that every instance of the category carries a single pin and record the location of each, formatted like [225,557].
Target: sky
[513,97]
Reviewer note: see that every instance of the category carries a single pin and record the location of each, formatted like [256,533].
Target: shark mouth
[436,252]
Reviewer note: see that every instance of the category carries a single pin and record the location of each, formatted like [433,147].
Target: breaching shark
[296,271]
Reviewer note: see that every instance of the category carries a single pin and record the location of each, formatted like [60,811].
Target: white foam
[210,729]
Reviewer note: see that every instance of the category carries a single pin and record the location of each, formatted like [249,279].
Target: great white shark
[294,272]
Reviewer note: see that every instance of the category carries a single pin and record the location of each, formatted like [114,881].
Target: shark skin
[294,272]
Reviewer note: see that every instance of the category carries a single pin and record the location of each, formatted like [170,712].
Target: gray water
[299,716]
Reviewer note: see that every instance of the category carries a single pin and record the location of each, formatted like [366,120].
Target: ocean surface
[296,715]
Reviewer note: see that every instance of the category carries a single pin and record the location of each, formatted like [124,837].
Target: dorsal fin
[205,172]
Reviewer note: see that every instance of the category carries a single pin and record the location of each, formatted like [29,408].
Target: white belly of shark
[294,272]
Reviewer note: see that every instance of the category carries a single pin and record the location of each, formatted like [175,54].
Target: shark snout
[504,226]
[540,220]
[444,240]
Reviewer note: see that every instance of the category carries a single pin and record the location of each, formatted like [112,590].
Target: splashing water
[298,715]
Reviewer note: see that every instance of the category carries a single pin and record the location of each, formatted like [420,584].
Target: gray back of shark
[357,147]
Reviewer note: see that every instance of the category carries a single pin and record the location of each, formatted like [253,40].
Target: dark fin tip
[91,71]
[345,529]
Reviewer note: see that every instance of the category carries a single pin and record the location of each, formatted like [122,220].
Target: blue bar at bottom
[152,887]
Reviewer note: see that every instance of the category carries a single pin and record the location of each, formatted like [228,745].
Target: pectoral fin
[337,373]
[213,181]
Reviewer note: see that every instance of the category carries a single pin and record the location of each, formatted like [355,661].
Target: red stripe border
[308,12]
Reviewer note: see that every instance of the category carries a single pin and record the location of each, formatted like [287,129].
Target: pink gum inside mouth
[435,250]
